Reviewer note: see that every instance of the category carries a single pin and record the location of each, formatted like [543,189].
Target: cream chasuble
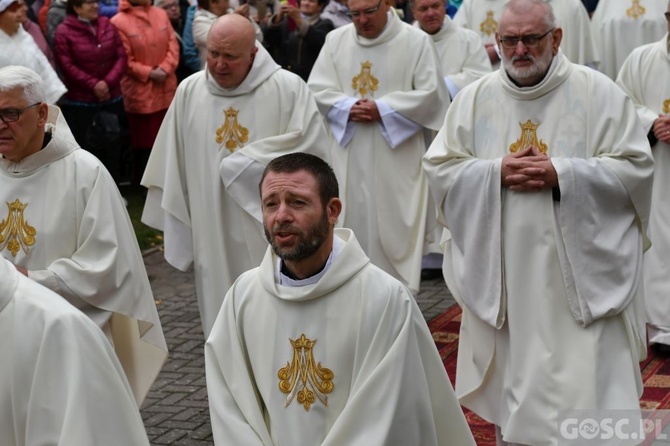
[64,220]
[462,56]
[384,188]
[619,26]
[21,49]
[645,76]
[60,381]
[483,17]
[552,315]
[206,164]
[347,361]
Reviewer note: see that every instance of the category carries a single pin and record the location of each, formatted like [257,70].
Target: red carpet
[445,328]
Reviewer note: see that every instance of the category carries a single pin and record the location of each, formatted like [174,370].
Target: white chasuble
[461,53]
[620,26]
[204,170]
[382,183]
[60,381]
[553,318]
[347,360]
[645,76]
[63,219]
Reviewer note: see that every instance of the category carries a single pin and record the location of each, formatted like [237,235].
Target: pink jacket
[149,40]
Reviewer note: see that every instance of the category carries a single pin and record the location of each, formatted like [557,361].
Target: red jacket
[149,40]
[86,58]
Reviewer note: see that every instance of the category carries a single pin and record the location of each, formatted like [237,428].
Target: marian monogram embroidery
[666,106]
[636,11]
[528,138]
[364,82]
[15,232]
[231,133]
[304,377]
[490,25]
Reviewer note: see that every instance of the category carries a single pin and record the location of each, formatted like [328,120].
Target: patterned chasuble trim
[15,232]
[636,11]
[528,138]
[364,82]
[666,106]
[304,377]
[490,25]
[231,133]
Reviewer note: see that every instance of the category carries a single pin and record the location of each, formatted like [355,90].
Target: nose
[284,214]
[520,48]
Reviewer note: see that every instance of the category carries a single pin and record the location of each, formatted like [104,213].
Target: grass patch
[147,237]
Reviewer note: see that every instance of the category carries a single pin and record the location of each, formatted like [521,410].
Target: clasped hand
[364,110]
[528,170]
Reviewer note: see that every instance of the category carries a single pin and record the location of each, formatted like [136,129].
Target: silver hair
[522,5]
[14,76]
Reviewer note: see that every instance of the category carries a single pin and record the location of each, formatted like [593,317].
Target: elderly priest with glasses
[64,225]
[543,176]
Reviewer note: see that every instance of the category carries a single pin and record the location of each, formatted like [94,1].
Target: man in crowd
[66,227]
[222,128]
[547,203]
[60,381]
[339,349]
[482,16]
[642,76]
[378,83]
[619,26]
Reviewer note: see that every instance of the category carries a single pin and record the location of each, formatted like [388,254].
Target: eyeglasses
[528,41]
[8,115]
[366,12]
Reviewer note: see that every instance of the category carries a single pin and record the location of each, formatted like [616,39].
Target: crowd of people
[313,161]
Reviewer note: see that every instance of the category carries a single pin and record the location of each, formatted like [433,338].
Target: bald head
[530,8]
[231,48]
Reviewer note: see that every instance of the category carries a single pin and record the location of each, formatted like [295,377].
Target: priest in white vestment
[379,84]
[318,346]
[223,126]
[17,47]
[482,16]
[543,177]
[60,381]
[64,225]
[645,76]
[620,26]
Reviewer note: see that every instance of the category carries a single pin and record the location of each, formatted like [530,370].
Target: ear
[557,37]
[42,114]
[333,210]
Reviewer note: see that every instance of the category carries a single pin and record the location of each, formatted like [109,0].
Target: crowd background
[121,62]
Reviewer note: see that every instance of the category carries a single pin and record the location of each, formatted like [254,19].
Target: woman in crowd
[296,35]
[91,59]
[149,82]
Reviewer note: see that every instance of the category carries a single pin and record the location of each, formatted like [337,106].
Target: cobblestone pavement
[176,410]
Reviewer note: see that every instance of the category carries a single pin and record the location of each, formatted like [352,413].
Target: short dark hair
[70,5]
[318,168]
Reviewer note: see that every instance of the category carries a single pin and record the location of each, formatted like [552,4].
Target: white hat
[4,4]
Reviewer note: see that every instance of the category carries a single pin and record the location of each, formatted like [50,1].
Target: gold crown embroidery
[636,11]
[364,82]
[304,377]
[666,106]
[490,25]
[528,138]
[15,232]
[231,133]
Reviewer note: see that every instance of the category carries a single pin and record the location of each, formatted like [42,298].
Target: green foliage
[146,237]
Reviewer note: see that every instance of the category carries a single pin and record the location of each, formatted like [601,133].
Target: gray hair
[14,76]
[522,5]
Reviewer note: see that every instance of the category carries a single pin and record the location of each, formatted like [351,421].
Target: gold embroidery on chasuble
[528,138]
[15,232]
[666,106]
[636,11]
[304,377]
[490,25]
[231,134]
[365,83]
